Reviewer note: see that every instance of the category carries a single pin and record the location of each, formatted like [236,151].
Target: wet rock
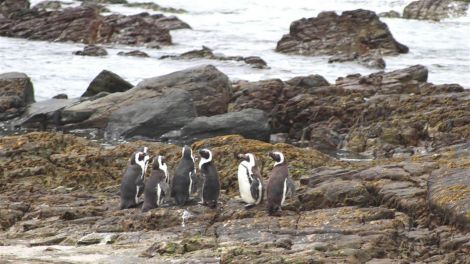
[134,53]
[54,240]
[85,25]
[60,96]
[207,53]
[107,81]
[11,8]
[44,113]
[156,7]
[435,10]
[449,195]
[91,50]
[96,238]
[330,34]
[152,118]
[249,123]
[16,92]
[44,5]
[307,83]
[262,95]
[210,90]
[390,14]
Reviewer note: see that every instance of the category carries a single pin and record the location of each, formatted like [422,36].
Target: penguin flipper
[196,182]
[290,187]
[166,189]
[254,188]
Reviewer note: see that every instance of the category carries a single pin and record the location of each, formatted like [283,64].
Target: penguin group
[160,187]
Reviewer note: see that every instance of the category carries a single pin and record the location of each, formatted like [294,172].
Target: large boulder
[353,35]
[107,81]
[86,25]
[41,114]
[16,92]
[435,9]
[249,123]
[10,8]
[210,90]
[153,117]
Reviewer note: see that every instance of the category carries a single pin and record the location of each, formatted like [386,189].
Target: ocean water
[246,28]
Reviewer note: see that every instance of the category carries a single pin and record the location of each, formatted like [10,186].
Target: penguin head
[141,159]
[143,149]
[247,157]
[159,163]
[277,156]
[206,157]
[187,153]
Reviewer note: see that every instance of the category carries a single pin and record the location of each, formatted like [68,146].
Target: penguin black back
[277,185]
[156,186]
[132,184]
[183,180]
[211,184]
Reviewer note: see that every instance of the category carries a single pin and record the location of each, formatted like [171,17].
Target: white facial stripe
[204,160]
[145,150]
[281,156]
[163,167]
[192,157]
[142,163]
[284,192]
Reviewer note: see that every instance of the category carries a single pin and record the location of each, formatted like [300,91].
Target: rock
[44,113]
[16,92]
[209,88]
[449,195]
[85,25]
[152,118]
[435,10]
[134,53]
[390,14]
[107,81]
[156,7]
[96,238]
[91,50]
[11,8]
[262,95]
[330,34]
[308,83]
[207,53]
[60,96]
[54,240]
[47,4]
[249,123]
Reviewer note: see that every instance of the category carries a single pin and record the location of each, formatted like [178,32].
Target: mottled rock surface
[134,53]
[354,35]
[363,212]
[91,50]
[435,9]
[16,92]
[11,8]
[84,24]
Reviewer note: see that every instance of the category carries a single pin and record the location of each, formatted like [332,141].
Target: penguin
[132,184]
[250,182]
[279,185]
[184,180]
[156,186]
[211,185]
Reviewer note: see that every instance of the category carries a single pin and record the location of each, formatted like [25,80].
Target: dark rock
[390,14]
[134,53]
[207,53]
[308,82]
[435,10]
[16,92]
[43,5]
[262,95]
[91,50]
[11,8]
[107,81]
[249,123]
[156,7]
[60,96]
[354,35]
[44,113]
[153,117]
[86,25]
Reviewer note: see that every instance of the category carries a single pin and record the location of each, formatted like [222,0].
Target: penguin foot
[249,206]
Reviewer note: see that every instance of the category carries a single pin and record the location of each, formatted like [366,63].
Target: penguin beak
[241,156]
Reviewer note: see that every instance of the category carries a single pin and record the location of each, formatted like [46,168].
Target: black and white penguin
[250,182]
[184,180]
[210,177]
[156,186]
[279,185]
[132,184]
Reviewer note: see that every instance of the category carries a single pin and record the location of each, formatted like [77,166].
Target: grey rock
[16,92]
[153,117]
[107,81]
[91,50]
[435,9]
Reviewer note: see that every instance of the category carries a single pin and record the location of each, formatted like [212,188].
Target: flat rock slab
[449,194]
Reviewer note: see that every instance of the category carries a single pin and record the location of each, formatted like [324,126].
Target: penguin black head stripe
[187,153]
[278,157]
[206,157]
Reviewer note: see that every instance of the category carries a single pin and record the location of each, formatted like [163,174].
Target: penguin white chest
[244,185]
